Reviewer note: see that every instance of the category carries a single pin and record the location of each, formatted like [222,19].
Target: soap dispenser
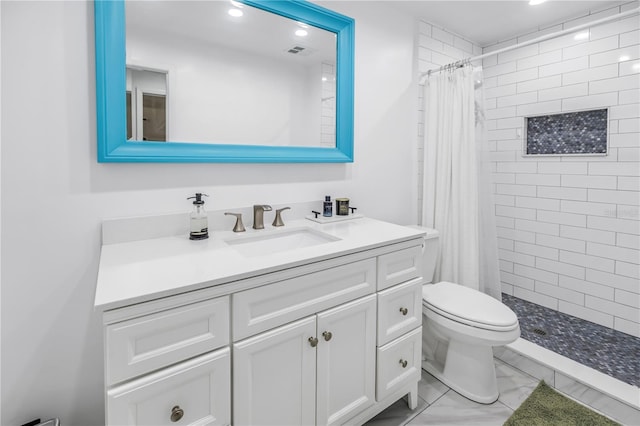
[198,221]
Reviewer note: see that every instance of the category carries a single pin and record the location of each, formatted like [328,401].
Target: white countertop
[139,271]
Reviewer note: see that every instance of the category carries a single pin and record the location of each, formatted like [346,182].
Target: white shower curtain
[458,199]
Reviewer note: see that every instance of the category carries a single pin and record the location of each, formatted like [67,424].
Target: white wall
[54,193]
[569,227]
[0,212]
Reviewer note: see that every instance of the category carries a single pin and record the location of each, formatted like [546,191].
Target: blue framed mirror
[287,98]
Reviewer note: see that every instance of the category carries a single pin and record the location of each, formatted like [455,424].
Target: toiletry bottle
[327,208]
[198,222]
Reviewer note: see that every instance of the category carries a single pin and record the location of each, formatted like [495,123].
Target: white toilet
[460,327]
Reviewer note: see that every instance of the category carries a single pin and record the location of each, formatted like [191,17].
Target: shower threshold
[593,364]
[603,393]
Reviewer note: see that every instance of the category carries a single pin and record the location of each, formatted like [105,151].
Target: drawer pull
[313,342]
[403,363]
[327,335]
[176,413]
[404,311]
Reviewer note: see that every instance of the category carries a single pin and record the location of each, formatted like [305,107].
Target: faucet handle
[239,226]
[278,220]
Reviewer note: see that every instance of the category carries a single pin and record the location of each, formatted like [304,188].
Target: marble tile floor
[439,405]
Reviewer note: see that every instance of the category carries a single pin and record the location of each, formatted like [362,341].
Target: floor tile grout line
[505,405]
[440,397]
[417,413]
[533,378]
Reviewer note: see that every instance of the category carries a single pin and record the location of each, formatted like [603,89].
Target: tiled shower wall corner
[569,227]
[436,47]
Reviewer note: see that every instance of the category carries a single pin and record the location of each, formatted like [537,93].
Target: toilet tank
[429,252]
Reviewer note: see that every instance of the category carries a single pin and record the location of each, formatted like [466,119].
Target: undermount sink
[279,241]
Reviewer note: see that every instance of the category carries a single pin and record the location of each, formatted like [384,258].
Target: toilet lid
[468,306]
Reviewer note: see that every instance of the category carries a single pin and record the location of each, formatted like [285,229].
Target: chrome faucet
[258,215]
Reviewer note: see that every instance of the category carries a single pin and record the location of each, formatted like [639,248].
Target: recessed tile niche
[572,133]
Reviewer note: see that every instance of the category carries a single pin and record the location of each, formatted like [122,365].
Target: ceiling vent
[301,50]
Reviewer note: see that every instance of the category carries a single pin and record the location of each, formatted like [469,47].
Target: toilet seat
[468,306]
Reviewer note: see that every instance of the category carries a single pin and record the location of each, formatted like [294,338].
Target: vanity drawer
[144,344]
[197,391]
[399,363]
[399,266]
[272,305]
[399,310]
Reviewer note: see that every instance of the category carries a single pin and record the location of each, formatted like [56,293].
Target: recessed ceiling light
[581,36]
[623,58]
[301,33]
[536,2]
[236,13]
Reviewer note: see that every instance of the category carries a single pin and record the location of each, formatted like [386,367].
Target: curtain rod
[462,62]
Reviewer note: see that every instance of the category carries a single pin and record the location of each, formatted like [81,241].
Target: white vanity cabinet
[325,361]
[327,340]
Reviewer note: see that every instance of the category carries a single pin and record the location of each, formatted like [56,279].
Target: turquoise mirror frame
[111,86]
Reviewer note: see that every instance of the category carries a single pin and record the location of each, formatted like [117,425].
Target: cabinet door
[274,376]
[346,360]
[194,392]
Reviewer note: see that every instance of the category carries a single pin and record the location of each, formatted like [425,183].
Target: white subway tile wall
[328,111]
[568,227]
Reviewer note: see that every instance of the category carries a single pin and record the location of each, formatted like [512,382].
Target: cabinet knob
[327,335]
[404,311]
[176,413]
[403,363]
[313,342]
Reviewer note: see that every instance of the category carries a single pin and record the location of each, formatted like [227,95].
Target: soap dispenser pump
[198,221]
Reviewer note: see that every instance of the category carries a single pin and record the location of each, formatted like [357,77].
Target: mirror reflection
[146,105]
[228,73]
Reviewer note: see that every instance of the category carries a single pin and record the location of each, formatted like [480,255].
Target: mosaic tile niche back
[582,132]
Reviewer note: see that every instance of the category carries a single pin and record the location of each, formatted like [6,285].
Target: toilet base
[468,369]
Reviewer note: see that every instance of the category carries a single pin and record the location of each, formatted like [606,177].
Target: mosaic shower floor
[609,351]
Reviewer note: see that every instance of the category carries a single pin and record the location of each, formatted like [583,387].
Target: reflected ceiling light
[623,58]
[636,66]
[236,13]
[236,4]
[581,36]
[324,78]
[301,33]
[536,2]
